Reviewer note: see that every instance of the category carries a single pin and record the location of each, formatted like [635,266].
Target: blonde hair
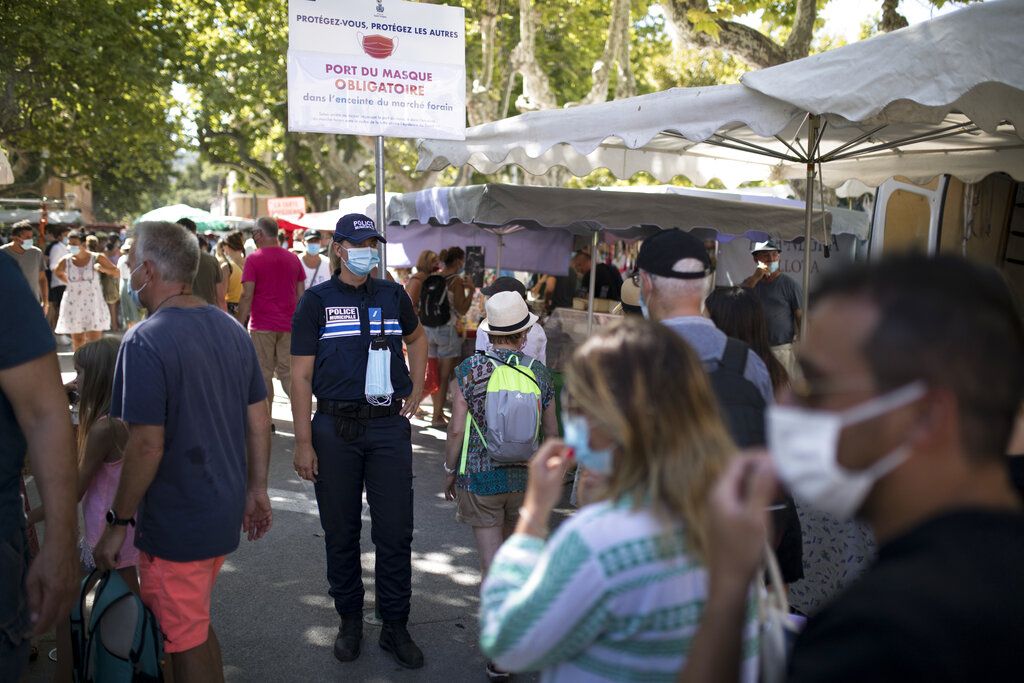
[426,261]
[96,361]
[646,388]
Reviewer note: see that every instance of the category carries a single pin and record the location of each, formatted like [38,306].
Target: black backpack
[742,404]
[434,308]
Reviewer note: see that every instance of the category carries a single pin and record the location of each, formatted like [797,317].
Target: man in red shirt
[273,280]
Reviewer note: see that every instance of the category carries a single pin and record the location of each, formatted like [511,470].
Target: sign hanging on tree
[377,67]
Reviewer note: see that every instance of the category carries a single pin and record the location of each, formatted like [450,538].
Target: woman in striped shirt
[617,592]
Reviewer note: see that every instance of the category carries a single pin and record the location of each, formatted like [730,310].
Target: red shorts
[179,595]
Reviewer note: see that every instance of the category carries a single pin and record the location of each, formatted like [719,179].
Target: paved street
[271,610]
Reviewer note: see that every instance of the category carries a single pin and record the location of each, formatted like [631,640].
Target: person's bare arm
[245,303]
[40,406]
[44,290]
[104,265]
[305,459]
[549,421]
[222,286]
[460,299]
[456,433]
[258,514]
[101,441]
[142,458]
[61,271]
[300,288]
[413,288]
[798,317]
[416,343]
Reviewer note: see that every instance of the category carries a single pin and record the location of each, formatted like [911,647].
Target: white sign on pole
[377,67]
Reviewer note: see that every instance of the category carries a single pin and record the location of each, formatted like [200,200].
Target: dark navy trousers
[380,459]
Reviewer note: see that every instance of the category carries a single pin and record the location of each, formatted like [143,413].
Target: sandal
[439,424]
[496,674]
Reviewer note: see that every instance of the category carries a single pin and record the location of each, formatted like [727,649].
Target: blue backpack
[122,641]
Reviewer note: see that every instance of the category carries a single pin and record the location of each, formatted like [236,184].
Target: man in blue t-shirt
[198,448]
[34,419]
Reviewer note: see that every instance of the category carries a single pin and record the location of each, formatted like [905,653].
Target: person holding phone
[618,590]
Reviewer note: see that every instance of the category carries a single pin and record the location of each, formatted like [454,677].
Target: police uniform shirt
[336,322]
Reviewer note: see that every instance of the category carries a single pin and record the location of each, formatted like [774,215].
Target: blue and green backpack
[122,641]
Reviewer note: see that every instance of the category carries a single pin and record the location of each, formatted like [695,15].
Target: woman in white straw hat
[490,493]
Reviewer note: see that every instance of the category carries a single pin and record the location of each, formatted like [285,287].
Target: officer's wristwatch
[114,520]
[451,472]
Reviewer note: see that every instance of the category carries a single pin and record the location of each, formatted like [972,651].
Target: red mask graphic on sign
[377,46]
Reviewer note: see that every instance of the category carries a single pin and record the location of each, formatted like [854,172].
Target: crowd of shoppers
[896,411]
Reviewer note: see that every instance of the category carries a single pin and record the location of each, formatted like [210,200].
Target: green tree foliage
[85,91]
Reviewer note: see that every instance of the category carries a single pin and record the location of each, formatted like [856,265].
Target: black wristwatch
[114,520]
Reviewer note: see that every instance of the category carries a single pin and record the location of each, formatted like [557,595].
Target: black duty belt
[358,411]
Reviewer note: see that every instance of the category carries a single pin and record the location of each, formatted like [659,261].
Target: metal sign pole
[382,226]
[812,145]
[593,283]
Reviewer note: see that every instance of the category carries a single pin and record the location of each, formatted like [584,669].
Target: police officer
[354,439]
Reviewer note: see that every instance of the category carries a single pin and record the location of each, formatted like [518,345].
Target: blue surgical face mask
[27,243]
[134,293]
[773,267]
[577,437]
[74,249]
[312,248]
[361,260]
[643,306]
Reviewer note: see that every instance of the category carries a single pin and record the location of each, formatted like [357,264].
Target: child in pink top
[101,443]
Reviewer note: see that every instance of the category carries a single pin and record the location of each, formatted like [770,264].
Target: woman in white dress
[84,313]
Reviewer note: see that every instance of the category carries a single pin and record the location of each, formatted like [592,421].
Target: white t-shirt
[58,252]
[316,275]
[536,346]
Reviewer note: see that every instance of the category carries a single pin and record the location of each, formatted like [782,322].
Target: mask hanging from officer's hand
[378,374]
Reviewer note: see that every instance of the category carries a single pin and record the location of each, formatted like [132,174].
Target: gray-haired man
[198,446]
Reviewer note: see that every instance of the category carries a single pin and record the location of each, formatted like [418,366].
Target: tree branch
[747,43]
[616,50]
[799,42]
[537,91]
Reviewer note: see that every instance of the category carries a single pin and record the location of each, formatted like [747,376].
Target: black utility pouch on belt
[350,418]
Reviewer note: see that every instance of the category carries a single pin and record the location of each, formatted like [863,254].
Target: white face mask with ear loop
[804,446]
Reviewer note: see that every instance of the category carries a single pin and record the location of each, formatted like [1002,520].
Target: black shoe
[350,634]
[395,638]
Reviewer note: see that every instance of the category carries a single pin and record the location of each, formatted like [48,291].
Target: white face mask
[804,444]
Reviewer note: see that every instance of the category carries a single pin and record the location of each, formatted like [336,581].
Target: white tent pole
[382,225]
[593,283]
[812,144]
[501,245]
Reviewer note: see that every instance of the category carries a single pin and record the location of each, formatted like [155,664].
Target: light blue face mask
[74,249]
[28,243]
[577,437]
[134,293]
[361,260]
[773,267]
[312,248]
[643,306]
[378,388]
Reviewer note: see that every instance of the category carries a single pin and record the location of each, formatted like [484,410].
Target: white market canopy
[943,96]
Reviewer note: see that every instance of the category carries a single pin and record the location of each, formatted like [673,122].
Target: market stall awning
[942,96]
[203,219]
[581,212]
[12,216]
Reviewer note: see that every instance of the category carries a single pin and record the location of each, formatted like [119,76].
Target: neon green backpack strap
[470,422]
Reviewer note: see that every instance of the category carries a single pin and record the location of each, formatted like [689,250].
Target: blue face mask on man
[313,248]
[362,260]
[134,293]
[577,437]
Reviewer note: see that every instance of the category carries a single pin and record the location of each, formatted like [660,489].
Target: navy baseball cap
[660,253]
[356,228]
